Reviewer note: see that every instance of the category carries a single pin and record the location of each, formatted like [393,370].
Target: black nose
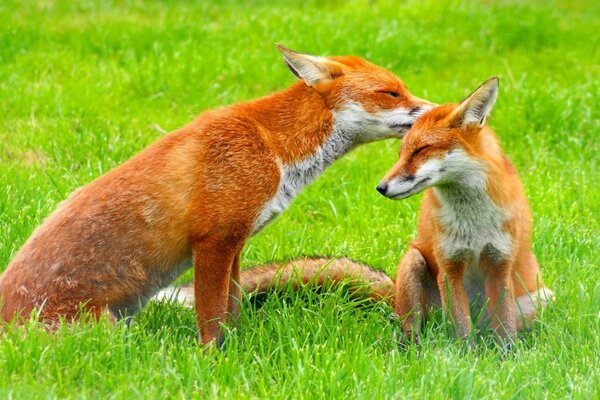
[382,188]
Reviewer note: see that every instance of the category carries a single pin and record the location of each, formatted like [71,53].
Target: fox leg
[501,302]
[454,297]
[235,293]
[501,306]
[213,262]
[415,292]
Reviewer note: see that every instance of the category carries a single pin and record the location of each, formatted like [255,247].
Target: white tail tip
[529,304]
[183,295]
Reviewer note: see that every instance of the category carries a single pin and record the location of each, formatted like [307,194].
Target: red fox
[200,192]
[474,230]
[473,240]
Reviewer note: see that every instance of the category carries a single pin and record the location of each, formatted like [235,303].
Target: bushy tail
[307,271]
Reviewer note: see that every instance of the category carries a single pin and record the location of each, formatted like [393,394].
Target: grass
[85,85]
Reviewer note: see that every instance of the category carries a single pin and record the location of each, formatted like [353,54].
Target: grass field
[85,85]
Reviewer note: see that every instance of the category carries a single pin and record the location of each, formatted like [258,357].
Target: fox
[195,196]
[473,242]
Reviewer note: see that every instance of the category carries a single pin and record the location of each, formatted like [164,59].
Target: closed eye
[390,93]
[420,149]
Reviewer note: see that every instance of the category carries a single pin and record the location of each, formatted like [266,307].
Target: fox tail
[306,271]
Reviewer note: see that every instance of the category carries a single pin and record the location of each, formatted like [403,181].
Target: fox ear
[313,70]
[475,109]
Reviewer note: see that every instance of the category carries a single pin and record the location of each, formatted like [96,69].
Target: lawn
[84,85]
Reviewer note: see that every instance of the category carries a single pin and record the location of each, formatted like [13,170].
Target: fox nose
[382,188]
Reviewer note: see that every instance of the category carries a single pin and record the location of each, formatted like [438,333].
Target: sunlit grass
[85,85]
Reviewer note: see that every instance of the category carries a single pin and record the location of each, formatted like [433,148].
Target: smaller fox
[474,228]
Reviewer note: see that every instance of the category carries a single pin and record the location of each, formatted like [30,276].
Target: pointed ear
[312,70]
[475,109]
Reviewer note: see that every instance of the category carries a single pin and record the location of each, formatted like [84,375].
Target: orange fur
[198,192]
[434,268]
[319,271]
[428,276]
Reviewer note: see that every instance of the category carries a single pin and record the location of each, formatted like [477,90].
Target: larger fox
[473,234]
[200,192]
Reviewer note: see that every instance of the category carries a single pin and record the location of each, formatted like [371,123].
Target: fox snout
[411,116]
[400,187]
[416,111]
[400,120]
[382,188]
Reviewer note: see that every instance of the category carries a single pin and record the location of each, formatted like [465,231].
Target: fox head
[367,101]
[443,146]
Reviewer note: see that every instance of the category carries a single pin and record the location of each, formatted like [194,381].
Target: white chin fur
[456,166]
[426,176]
[368,127]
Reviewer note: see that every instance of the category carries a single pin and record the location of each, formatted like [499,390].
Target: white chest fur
[297,175]
[352,125]
[472,223]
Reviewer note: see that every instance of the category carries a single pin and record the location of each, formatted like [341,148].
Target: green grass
[85,85]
